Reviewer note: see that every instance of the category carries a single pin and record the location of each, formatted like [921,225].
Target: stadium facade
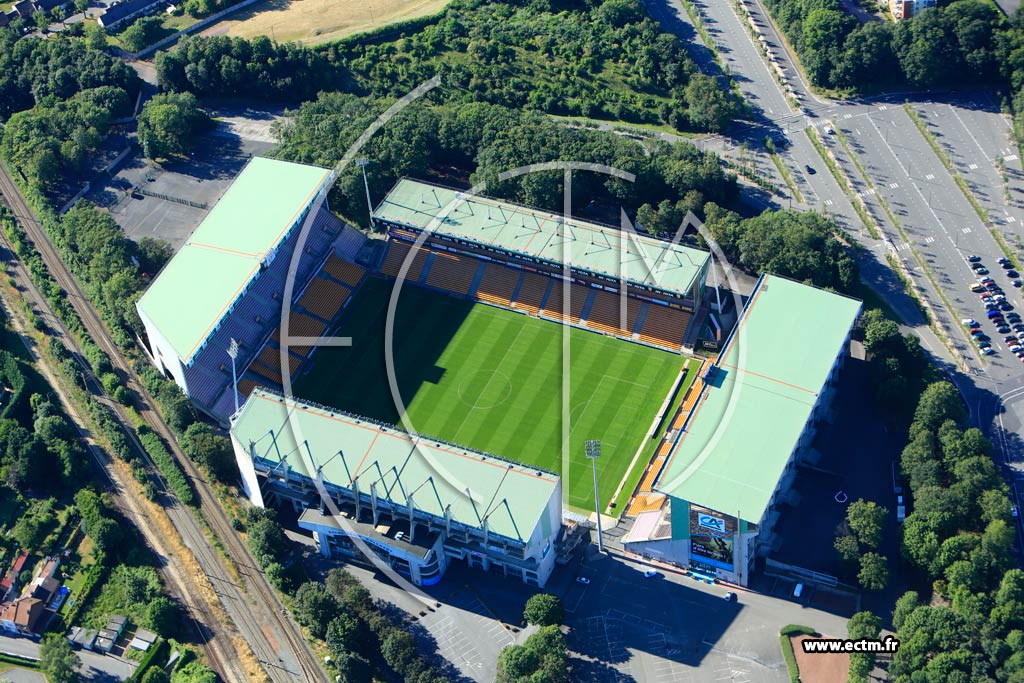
[416,502]
[745,430]
[543,264]
[226,282]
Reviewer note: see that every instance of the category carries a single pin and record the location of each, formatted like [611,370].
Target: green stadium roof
[511,497]
[197,286]
[539,234]
[743,429]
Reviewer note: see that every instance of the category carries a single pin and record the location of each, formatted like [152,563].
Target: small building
[83,638]
[143,640]
[22,616]
[905,9]
[23,8]
[123,12]
[103,644]
[44,588]
[11,579]
[116,625]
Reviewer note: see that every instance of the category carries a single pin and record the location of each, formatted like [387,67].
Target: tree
[266,541]
[169,124]
[866,520]
[939,402]
[142,33]
[57,660]
[543,609]
[209,449]
[344,634]
[41,20]
[848,548]
[874,572]
[399,650]
[155,674]
[162,616]
[153,253]
[862,625]
[709,107]
[81,5]
[315,607]
[516,663]
[354,668]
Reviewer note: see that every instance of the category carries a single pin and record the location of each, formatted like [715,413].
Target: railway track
[215,642]
[253,605]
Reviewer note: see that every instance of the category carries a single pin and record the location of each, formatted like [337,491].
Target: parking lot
[168,201]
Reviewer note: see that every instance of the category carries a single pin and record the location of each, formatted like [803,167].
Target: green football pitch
[491,379]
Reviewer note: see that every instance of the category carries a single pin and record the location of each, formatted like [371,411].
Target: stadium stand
[397,253]
[498,285]
[555,306]
[344,271]
[324,298]
[452,273]
[350,241]
[605,314]
[664,326]
[531,293]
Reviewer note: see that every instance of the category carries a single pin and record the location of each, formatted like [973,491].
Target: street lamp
[593,449]
[233,352]
[362,162]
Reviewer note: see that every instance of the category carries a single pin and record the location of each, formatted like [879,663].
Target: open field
[320,21]
[491,379]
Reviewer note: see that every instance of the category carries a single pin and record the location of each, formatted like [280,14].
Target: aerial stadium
[517,335]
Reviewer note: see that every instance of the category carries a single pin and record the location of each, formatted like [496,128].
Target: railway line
[252,604]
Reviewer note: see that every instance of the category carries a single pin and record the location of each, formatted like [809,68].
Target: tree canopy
[169,124]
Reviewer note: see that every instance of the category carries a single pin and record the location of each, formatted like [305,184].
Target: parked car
[973,258]
[969,322]
[1013,274]
[1003,329]
[1016,283]
[992,312]
[810,170]
[977,265]
[1002,259]
[730,597]
[584,580]
[650,573]
[977,287]
[981,271]
[1005,306]
[986,280]
[1006,265]
[988,351]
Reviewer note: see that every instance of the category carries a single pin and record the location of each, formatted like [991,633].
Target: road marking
[828,202]
[1012,157]
[893,185]
[848,116]
[929,239]
[930,176]
[972,166]
[1011,219]
[882,107]
[965,230]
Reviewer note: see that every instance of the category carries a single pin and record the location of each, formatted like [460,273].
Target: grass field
[491,379]
[320,21]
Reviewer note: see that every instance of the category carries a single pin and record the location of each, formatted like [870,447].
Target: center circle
[485,389]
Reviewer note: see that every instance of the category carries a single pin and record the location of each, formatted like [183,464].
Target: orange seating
[271,357]
[452,273]
[324,298]
[301,325]
[531,292]
[267,373]
[555,306]
[605,314]
[245,386]
[498,284]
[397,252]
[342,270]
[664,326]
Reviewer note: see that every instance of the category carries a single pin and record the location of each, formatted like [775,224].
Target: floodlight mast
[233,352]
[362,163]
[593,451]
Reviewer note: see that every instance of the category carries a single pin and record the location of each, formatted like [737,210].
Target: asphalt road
[938,227]
[95,666]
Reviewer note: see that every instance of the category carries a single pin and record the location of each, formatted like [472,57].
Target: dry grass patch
[320,21]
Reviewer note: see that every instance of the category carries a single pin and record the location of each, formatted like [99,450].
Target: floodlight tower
[233,352]
[362,162]
[593,449]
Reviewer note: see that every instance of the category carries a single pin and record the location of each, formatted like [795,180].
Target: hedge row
[790,657]
[169,467]
[95,578]
[155,651]
[19,661]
